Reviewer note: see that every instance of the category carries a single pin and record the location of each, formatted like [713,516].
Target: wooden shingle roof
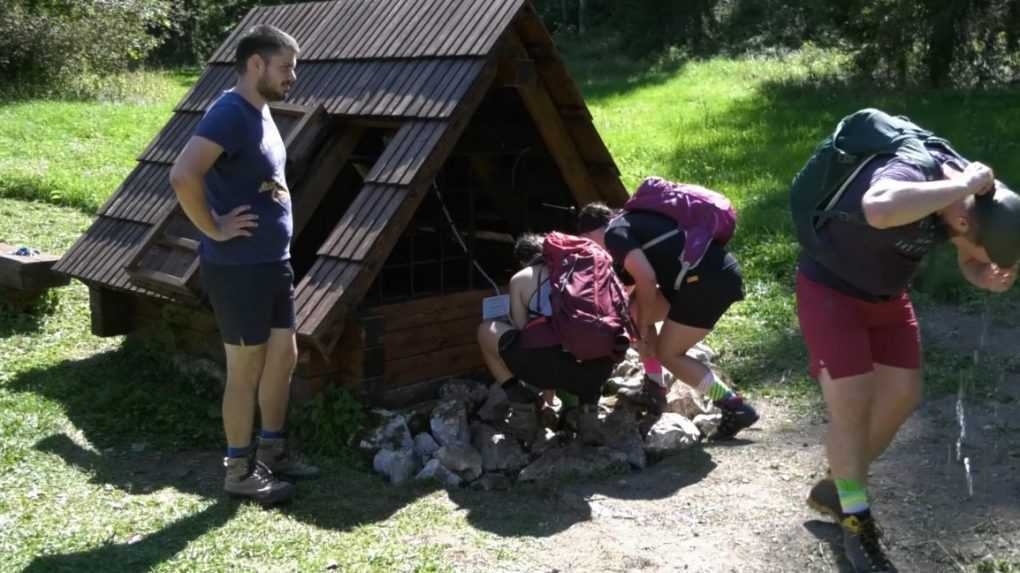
[423,64]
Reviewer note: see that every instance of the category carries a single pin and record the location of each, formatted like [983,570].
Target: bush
[61,47]
[328,423]
[197,27]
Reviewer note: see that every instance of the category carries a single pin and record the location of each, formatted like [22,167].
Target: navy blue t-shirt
[251,171]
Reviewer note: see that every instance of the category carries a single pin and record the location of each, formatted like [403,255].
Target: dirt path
[739,507]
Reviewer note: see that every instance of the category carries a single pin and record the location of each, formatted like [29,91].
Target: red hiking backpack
[590,313]
[701,214]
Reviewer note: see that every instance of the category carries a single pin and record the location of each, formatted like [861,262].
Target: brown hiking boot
[651,396]
[825,499]
[251,479]
[283,462]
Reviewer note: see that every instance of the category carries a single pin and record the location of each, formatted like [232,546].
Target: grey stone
[397,465]
[492,482]
[392,434]
[449,424]
[684,400]
[672,433]
[548,439]
[435,471]
[425,445]
[575,461]
[464,461]
[522,422]
[472,393]
[622,434]
[500,452]
[708,423]
[496,404]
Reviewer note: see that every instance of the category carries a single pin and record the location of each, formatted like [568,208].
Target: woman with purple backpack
[668,243]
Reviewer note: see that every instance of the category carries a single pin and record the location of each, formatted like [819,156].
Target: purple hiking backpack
[701,214]
[590,313]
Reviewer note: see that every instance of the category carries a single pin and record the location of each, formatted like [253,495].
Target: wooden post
[112,312]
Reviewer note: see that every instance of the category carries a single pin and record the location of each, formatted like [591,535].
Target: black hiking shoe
[250,479]
[825,499]
[737,415]
[862,541]
[651,396]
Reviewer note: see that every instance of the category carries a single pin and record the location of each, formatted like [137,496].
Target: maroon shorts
[848,336]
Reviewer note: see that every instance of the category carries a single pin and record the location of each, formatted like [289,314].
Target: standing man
[857,319]
[230,181]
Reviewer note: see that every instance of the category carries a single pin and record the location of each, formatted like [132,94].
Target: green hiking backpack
[859,138]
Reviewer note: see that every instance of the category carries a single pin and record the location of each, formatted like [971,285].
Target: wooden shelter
[422,135]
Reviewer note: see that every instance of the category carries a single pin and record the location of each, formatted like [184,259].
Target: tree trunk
[580,16]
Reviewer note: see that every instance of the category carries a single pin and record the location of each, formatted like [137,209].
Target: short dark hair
[528,249]
[264,40]
[593,216]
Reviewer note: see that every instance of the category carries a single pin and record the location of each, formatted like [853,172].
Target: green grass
[95,472]
[77,153]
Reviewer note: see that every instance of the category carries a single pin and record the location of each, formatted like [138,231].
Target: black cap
[998,220]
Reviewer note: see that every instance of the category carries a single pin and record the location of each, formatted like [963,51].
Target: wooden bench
[24,280]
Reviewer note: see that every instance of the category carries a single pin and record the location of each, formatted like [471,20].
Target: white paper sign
[494,307]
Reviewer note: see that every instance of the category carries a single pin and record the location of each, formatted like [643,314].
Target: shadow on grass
[153,429]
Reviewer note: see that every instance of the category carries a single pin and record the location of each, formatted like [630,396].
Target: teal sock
[853,496]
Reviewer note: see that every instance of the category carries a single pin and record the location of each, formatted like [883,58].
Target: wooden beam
[516,72]
[554,133]
[323,172]
[112,312]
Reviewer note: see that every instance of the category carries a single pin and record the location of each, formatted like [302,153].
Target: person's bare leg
[897,394]
[489,333]
[675,340]
[849,402]
[274,384]
[244,367]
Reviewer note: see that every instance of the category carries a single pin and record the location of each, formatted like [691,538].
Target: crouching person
[650,250]
[540,345]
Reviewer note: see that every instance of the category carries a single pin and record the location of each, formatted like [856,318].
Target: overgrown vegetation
[962,43]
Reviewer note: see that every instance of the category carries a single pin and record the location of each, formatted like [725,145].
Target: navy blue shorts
[250,300]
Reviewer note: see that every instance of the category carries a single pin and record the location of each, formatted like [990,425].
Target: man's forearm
[897,203]
[192,199]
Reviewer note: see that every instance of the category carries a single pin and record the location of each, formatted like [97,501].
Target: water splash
[961,395]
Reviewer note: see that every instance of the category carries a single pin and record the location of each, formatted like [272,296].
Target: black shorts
[708,290]
[553,368]
[250,300]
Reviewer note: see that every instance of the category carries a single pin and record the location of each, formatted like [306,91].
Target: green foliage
[67,47]
[197,27]
[328,423]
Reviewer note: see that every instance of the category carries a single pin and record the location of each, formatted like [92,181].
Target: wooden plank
[517,73]
[111,312]
[29,273]
[313,188]
[426,311]
[450,361]
[562,147]
[433,337]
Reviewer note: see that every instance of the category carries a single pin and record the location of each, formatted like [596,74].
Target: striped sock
[653,370]
[853,496]
[714,388]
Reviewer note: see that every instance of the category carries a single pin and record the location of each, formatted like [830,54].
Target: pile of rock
[473,434]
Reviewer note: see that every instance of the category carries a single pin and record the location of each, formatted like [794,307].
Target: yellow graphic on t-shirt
[279,192]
